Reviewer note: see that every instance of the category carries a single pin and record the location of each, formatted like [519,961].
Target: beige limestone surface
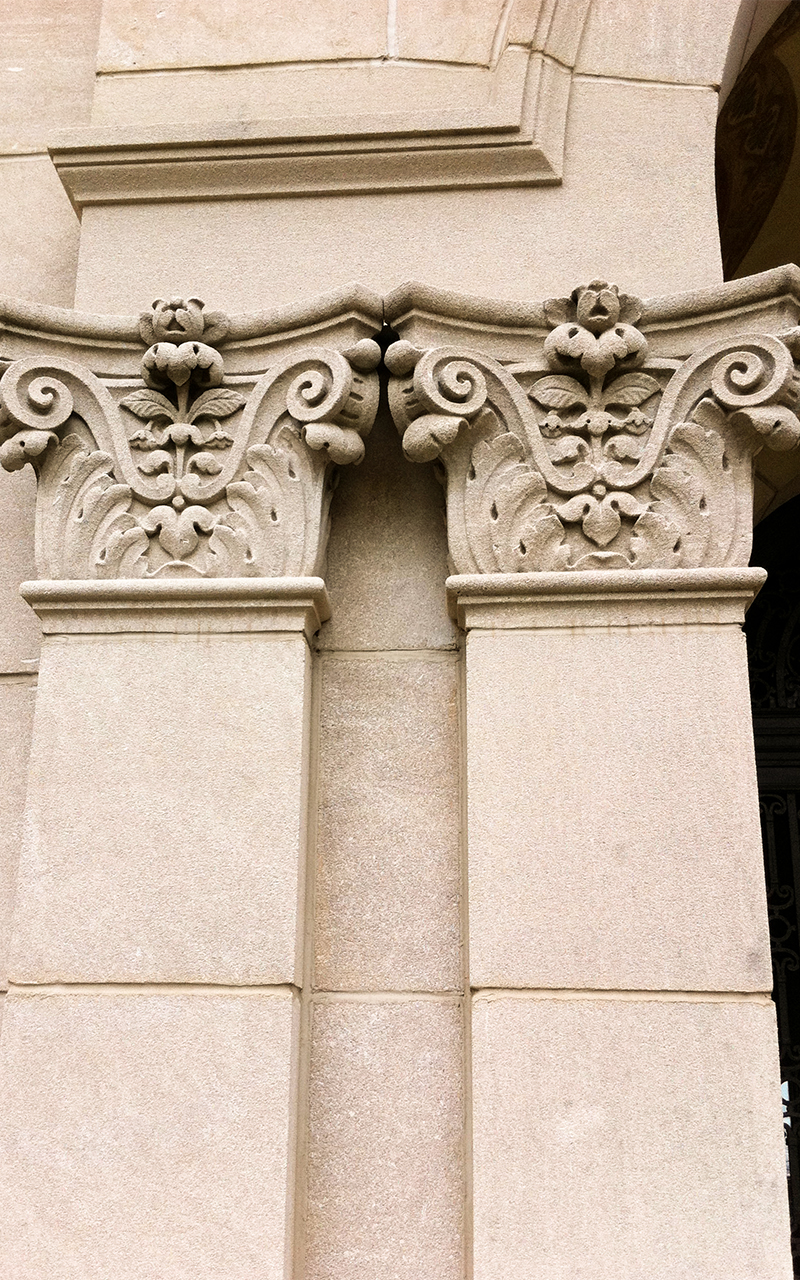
[20,633]
[147,1134]
[47,70]
[613,816]
[17,698]
[385,1140]
[658,230]
[673,41]
[39,246]
[189,33]
[388,881]
[165,817]
[616,1140]
[387,553]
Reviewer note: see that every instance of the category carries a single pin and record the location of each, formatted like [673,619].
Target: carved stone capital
[591,452]
[185,469]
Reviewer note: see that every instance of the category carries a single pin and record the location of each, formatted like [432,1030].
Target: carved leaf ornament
[604,459]
[185,475]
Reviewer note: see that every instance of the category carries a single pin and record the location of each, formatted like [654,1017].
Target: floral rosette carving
[188,473]
[604,458]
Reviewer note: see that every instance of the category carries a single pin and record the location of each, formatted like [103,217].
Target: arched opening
[772,628]
[758,183]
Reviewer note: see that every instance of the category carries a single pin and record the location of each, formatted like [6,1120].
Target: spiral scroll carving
[187,474]
[608,460]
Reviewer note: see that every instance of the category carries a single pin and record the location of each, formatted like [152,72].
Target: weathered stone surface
[172,33]
[388,883]
[47,75]
[187,864]
[443,32]
[17,696]
[609,1137]
[20,635]
[612,842]
[385,1146]
[387,554]
[148,1134]
[676,41]
[39,247]
[496,243]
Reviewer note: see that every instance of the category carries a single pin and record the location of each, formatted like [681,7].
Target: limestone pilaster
[598,457]
[151,1048]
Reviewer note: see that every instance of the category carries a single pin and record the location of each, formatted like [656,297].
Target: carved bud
[180,320]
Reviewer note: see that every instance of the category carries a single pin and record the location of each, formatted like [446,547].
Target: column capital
[187,443]
[599,432]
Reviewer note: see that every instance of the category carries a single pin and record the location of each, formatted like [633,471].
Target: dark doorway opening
[772,628]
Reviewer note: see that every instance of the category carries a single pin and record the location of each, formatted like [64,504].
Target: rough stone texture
[331,92]
[613,818]
[20,634]
[17,697]
[47,75]
[615,1140]
[675,40]
[174,33]
[39,247]
[188,863]
[658,233]
[387,553]
[147,1135]
[385,1158]
[388,881]
[442,31]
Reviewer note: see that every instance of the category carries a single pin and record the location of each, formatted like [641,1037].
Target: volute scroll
[184,471]
[597,455]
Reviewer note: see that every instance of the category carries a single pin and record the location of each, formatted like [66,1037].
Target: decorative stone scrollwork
[185,472]
[596,456]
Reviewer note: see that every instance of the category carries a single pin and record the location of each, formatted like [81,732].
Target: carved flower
[181,319]
[165,362]
[594,326]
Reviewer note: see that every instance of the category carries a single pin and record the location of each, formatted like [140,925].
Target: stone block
[617,1139]
[385,1142]
[165,820]
[47,73]
[443,32]
[39,248]
[335,94]
[148,1134]
[658,233]
[613,818]
[174,33]
[388,881]
[20,633]
[675,41]
[17,697]
[387,553]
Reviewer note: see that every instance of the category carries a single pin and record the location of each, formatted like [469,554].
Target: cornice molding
[198,462]
[515,137]
[616,434]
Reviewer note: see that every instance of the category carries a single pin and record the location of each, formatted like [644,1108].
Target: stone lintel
[602,598]
[179,605]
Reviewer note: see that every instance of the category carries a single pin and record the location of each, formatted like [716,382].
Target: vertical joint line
[392,45]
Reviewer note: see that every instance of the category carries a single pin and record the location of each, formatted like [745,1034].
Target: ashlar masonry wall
[389,902]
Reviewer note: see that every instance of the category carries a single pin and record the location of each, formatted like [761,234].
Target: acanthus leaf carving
[606,459]
[185,474]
